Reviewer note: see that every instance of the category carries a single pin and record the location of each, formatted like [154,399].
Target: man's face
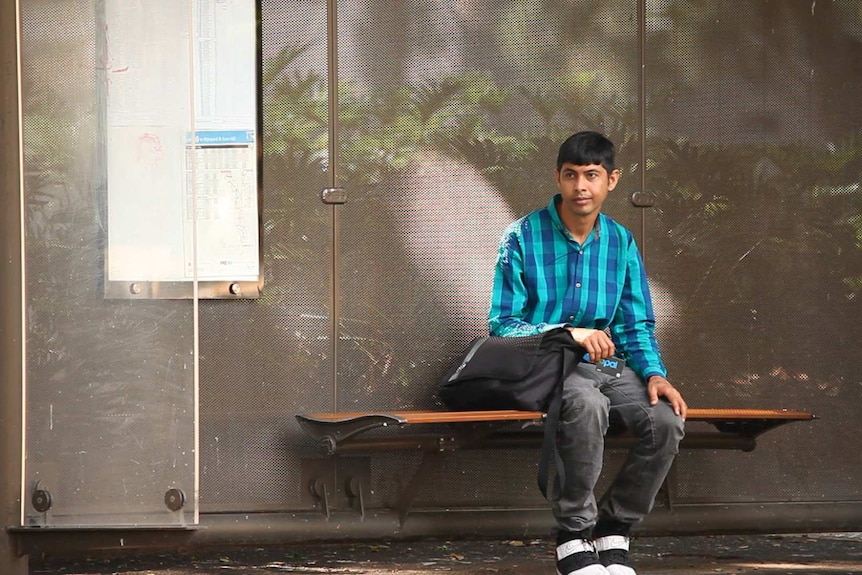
[584,188]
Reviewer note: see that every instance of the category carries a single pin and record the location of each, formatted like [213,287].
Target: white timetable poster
[181,146]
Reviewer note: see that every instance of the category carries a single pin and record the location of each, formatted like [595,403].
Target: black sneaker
[578,557]
[613,551]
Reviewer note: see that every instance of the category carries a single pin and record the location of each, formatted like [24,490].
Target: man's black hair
[587,148]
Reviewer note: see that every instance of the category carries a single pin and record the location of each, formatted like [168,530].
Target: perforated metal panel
[451,117]
[460,109]
[447,122]
[754,155]
[265,360]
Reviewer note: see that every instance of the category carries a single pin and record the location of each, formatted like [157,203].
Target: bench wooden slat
[407,417]
[701,414]
[335,429]
[433,416]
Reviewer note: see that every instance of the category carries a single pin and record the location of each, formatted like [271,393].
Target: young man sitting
[570,265]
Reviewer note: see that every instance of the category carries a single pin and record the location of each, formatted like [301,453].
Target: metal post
[11,388]
[333,160]
[642,102]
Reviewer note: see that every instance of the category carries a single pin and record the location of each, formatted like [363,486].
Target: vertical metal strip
[192,47]
[642,110]
[22,368]
[12,308]
[332,93]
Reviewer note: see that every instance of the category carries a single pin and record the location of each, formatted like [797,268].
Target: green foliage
[739,217]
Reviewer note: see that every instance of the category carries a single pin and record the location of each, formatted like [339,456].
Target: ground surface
[720,555]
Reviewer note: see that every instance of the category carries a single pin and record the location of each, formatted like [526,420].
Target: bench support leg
[320,490]
[356,493]
[430,459]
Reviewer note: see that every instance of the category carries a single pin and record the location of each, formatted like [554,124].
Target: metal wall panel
[446,126]
[265,360]
[450,115]
[446,122]
[754,156]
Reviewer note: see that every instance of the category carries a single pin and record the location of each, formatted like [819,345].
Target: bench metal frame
[355,433]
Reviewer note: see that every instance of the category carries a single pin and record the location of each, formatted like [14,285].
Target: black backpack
[510,372]
[523,373]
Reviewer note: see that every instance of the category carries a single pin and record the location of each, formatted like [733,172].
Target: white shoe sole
[588,570]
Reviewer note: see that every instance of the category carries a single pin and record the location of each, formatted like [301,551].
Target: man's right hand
[597,342]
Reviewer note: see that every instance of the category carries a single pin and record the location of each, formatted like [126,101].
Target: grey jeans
[589,399]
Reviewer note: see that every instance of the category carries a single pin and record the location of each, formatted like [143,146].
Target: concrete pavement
[716,555]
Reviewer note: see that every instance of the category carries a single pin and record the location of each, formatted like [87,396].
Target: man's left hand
[657,386]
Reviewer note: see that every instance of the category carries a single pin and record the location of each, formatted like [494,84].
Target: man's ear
[613,179]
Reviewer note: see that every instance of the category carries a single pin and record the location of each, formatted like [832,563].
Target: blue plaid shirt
[545,279]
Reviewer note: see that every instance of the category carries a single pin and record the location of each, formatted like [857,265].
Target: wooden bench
[435,433]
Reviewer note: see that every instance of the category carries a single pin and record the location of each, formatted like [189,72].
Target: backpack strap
[569,358]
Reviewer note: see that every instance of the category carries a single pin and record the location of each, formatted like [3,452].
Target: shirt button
[577,285]
[581,252]
[571,318]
